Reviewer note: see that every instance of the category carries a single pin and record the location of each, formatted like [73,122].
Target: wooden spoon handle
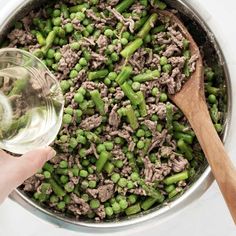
[221,165]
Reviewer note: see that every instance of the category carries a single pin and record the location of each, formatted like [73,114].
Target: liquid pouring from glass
[31,102]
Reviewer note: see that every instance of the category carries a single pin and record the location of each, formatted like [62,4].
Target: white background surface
[206,217]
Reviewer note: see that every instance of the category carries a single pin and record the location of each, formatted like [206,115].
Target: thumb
[16,170]
[28,164]
[31,162]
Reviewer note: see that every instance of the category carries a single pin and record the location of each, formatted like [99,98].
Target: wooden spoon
[191,100]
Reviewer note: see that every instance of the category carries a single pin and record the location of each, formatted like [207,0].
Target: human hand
[15,170]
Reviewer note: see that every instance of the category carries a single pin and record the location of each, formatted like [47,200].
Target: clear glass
[31,102]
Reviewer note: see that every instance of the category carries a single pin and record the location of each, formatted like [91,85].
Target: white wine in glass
[31,102]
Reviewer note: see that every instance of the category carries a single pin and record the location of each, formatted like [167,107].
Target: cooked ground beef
[21,37]
[106,151]
[91,122]
[105,192]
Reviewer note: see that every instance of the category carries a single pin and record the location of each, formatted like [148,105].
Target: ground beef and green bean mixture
[123,146]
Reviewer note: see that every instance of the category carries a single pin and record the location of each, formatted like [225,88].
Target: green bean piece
[131,48]
[40,24]
[191,171]
[178,115]
[186,69]
[148,203]
[181,128]
[124,5]
[49,41]
[187,55]
[132,161]
[67,199]
[186,137]
[48,26]
[152,192]
[160,48]
[142,105]
[147,26]
[41,40]
[103,157]
[99,103]
[77,190]
[57,179]
[92,137]
[169,188]
[174,192]
[19,86]
[140,23]
[132,117]
[109,167]
[169,117]
[185,148]
[129,92]
[65,11]
[75,171]
[56,188]
[15,126]
[79,8]
[38,53]
[186,44]
[214,112]
[134,209]
[100,74]
[176,178]
[218,127]
[158,29]
[148,76]
[146,146]
[61,171]
[61,32]
[124,75]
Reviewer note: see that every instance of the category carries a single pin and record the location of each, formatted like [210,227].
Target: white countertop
[207,216]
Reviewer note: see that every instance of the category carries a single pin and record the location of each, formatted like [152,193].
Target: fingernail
[51,153]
